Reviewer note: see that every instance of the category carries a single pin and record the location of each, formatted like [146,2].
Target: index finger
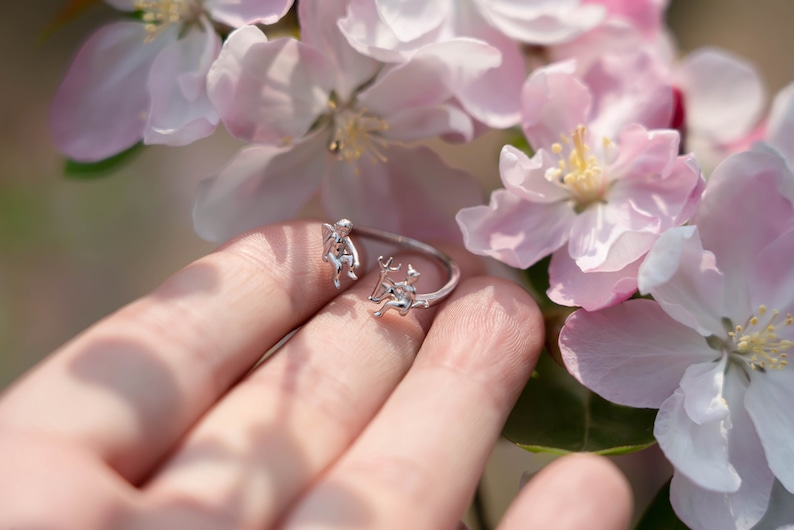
[131,385]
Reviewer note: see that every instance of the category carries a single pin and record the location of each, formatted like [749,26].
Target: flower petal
[261,185]
[698,447]
[515,231]
[410,19]
[368,34]
[553,102]
[746,205]
[318,22]
[724,94]
[630,87]
[780,127]
[181,112]
[526,177]
[543,23]
[570,286]
[767,400]
[414,192]
[431,76]
[771,278]
[684,279]
[703,509]
[268,92]
[632,354]
[780,513]
[101,107]
[420,123]
[238,13]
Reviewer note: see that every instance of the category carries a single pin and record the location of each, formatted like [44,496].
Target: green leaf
[660,515]
[556,414]
[94,170]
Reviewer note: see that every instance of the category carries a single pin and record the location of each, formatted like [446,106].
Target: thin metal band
[452,268]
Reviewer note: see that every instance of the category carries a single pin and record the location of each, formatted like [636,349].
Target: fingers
[128,388]
[416,465]
[284,424]
[574,492]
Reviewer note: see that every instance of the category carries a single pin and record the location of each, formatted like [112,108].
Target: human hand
[153,418]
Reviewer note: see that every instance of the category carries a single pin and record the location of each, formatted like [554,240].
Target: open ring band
[340,251]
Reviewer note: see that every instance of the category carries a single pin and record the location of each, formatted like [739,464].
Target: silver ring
[340,251]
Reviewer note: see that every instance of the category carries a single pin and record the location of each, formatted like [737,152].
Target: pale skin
[153,418]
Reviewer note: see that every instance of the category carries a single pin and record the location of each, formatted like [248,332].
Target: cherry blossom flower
[710,351]
[600,187]
[329,118]
[146,80]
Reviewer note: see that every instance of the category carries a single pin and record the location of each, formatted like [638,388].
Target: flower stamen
[355,135]
[757,343]
[580,171]
[158,15]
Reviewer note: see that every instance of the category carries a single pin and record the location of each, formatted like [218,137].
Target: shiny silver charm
[401,295]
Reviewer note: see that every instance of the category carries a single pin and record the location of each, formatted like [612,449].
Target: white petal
[684,279]
[698,447]
[410,19]
[768,399]
[724,95]
[268,92]
[701,508]
[414,192]
[261,185]
[780,127]
[318,20]
[543,23]
[181,111]
[632,354]
[238,13]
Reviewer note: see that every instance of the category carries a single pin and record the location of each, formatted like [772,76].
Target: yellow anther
[556,148]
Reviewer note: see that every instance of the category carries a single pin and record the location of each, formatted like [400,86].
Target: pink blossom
[329,118]
[710,350]
[146,80]
[600,187]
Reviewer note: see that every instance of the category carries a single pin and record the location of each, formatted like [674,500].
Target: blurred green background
[73,251]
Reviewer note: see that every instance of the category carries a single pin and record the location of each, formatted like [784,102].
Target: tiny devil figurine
[398,295]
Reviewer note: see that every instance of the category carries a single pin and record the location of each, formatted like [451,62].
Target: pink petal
[771,276]
[261,185]
[494,98]
[238,13]
[724,94]
[703,509]
[699,450]
[684,279]
[570,286]
[268,92]
[780,127]
[181,112]
[368,34]
[427,122]
[414,193]
[645,153]
[318,20]
[101,107]
[629,88]
[767,400]
[632,354]
[543,23]
[526,177]
[746,205]
[432,76]
[610,37]
[553,102]
[411,19]
[515,231]
[645,15]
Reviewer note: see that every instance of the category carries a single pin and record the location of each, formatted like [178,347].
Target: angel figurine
[338,249]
